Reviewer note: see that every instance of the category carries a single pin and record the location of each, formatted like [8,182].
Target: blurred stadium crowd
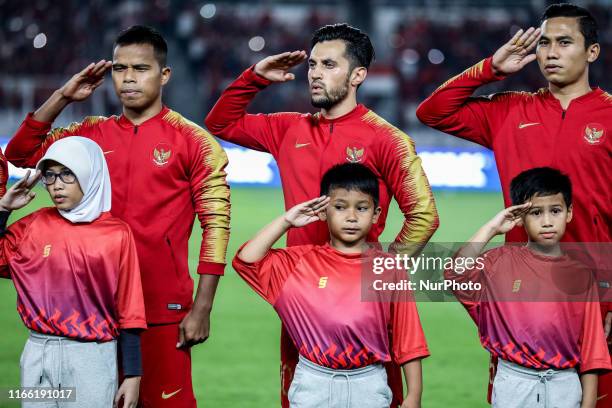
[42,42]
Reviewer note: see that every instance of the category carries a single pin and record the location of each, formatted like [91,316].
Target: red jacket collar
[125,122]
[596,92]
[357,112]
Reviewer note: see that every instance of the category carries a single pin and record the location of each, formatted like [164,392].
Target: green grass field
[238,366]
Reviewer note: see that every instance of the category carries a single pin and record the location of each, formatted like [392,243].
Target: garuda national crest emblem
[354,154]
[161,154]
[594,133]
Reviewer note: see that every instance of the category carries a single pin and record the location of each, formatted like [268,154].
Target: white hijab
[86,160]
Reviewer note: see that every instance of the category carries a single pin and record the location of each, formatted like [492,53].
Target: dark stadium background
[419,45]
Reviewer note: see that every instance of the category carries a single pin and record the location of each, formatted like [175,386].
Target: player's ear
[376,215]
[358,75]
[166,73]
[323,215]
[570,213]
[593,52]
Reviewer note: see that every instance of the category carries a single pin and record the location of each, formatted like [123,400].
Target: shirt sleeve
[229,120]
[211,198]
[9,242]
[401,170]
[407,337]
[452,109]
[33,138]
[3,174]
[129,297]
[594,354]
[268,275]
[460,272]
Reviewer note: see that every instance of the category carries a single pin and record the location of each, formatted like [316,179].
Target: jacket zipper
[135,129]
[563,114]
[331,128]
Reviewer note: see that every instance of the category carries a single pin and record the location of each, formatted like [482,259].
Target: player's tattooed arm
[276,68]
[515,54]
[78,88]
[298,216]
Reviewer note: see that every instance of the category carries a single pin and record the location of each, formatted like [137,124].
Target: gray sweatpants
[54,362]
[314,386]
[516,386]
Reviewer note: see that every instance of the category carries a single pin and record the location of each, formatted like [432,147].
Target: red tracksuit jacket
[305,146]
[163,172]
[527,130]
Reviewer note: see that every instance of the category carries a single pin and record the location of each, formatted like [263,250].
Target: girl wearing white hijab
[77,278]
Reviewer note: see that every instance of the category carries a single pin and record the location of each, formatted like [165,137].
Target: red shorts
[166,379]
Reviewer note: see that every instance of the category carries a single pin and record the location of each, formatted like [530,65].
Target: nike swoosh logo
[524,125]
[298,145]
[108,151]
[602,397]
[172,394]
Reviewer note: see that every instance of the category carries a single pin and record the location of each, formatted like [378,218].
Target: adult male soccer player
[565,126]
[164,170]
[305,146]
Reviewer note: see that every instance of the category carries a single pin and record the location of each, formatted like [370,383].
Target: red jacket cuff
[488,71]
[36,124]
[211,268]
[250,76]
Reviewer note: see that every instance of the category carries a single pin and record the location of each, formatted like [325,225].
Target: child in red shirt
[317,292]
[537,308]
[77,278]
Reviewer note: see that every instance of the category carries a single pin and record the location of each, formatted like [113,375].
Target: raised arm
[298,216]
[265,269]
[229,120]
[503,222]
[452,109]
[34,135]
[18,196]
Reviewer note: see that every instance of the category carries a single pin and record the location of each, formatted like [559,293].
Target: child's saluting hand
[20,194]
[307,212]
[507,219]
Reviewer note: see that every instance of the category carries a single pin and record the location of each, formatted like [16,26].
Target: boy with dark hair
[316,291]
[565,125]
[306,145]
[165,171]
[538,311]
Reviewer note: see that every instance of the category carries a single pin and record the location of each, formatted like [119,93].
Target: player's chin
[133,103]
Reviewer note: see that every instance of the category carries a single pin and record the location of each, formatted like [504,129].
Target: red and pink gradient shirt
[80,281]
[316,291]
[536,311]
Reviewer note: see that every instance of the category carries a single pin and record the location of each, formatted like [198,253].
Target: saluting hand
[83,84]
[20,194]
[307,212]
[507,219]
[276,68]
[515,54]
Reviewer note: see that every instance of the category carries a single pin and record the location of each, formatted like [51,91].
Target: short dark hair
[359,49]
[351,177]
[586,22]
[139,34]
[540,181]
